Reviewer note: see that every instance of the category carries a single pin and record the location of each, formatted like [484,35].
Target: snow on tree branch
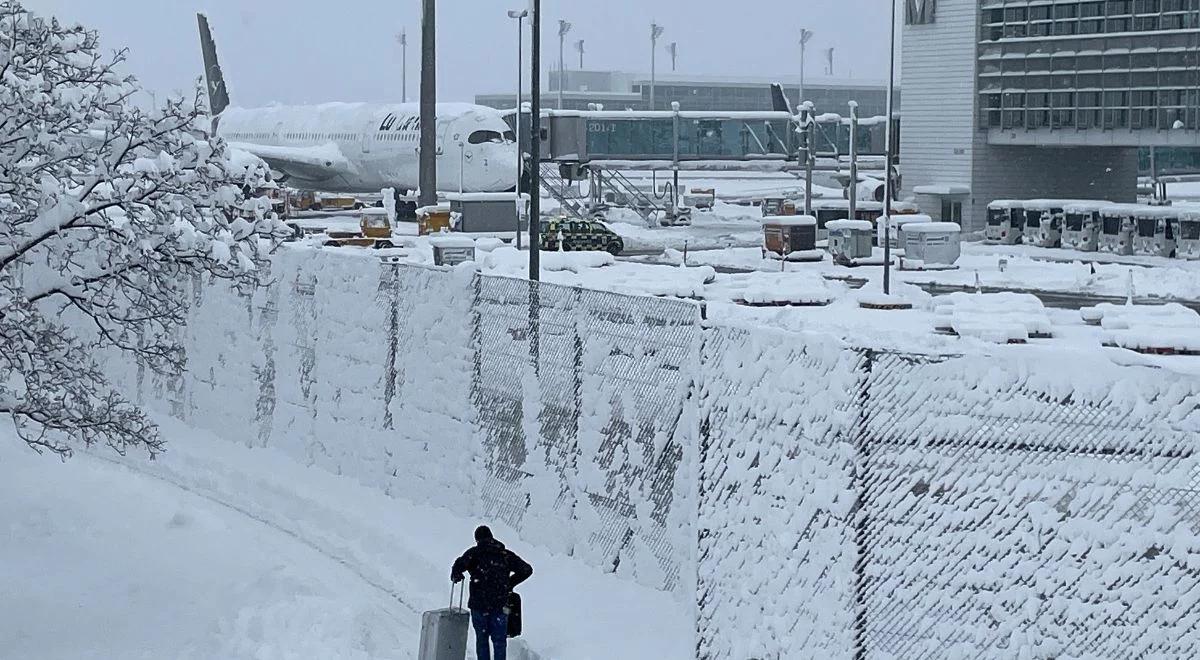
[105,210]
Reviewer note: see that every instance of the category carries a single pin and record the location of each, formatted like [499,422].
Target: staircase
[634,197]
[561,190]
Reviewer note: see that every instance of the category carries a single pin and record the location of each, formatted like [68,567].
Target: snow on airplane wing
[314,163]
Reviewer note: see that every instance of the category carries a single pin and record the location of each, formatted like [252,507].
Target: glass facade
[1090,64]
[698,139]
[872,101]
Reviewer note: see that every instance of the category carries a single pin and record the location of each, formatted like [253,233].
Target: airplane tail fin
[218,95]
[779,100]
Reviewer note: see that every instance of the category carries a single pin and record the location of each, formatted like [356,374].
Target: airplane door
[442,129]
[366,142]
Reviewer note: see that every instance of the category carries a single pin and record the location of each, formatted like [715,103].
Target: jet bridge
[674,136]
[595,145]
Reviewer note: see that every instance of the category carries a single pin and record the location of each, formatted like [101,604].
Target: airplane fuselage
[364,147]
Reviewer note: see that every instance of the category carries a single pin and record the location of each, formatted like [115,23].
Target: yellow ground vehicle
[374,231]
[303,200]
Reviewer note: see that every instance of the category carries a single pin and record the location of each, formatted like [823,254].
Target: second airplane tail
[218,95]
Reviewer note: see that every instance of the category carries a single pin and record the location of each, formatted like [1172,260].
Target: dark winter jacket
[494,570]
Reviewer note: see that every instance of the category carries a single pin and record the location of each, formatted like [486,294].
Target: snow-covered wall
[420,381]
[1027,503]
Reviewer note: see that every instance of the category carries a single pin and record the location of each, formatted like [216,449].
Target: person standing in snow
[494,570]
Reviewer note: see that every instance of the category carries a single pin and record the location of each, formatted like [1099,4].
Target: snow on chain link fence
[422,382]
[848,503]
[1025,504]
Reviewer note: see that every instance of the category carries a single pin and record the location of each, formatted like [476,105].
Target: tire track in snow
[350,565]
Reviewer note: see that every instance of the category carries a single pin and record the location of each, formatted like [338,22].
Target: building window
[951,211]
[919,12]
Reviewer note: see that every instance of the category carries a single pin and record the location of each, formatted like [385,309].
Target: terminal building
[617,90]
[1042,98]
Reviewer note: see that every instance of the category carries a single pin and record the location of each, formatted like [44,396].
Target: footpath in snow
[219,551]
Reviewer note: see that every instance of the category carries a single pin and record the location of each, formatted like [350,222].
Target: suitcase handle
[461,594]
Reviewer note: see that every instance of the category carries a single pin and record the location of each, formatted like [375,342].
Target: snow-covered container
[433,219]
[1004,317]
[1005,222]
[450,250]
[1116,228]
[895,228]
[827,210]
[849,239]
[1081,226]
[931,245]
[790,237]
[785,289]
[1187,241]
[1162,329]
[1154,230]
[485,212]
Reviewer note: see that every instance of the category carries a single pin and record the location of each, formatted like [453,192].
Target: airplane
[363,147]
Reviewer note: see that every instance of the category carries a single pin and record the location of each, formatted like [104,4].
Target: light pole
[579,47]
[891,157]
[673,49]
[852,189]
[563,28]
[805,37]
[656,31]
[520,18]
[404,66]
[535,149]
[428,158]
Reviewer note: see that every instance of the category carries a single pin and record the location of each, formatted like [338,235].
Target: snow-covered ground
[219,551]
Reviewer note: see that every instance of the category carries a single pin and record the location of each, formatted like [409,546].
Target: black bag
[514,614]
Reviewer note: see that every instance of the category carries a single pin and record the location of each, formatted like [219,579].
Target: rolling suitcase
[444,632]
[513,610]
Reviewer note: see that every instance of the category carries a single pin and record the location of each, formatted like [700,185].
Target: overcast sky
[299,51]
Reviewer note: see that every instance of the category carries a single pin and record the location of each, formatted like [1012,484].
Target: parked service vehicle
[374,230]
[1081,226]
[1187,241]
[1005,222]
[1154,231]
[1116,228]
[1044,221]
[310,201]
[579,236]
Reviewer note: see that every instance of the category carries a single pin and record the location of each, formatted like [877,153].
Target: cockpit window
[509,136]
[480,137]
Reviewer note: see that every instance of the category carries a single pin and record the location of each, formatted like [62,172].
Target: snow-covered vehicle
[1005,222]
[1155,228]
[310,201]
[1187,241]
[1081,226]
[375,231]
[1116,228]
[1043,222]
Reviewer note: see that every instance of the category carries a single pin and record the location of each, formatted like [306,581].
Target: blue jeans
[492,625]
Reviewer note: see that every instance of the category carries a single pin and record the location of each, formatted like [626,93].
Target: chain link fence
[1025,504]
[580,397]
[819,500]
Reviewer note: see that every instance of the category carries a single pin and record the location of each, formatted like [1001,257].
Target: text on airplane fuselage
[410,123]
